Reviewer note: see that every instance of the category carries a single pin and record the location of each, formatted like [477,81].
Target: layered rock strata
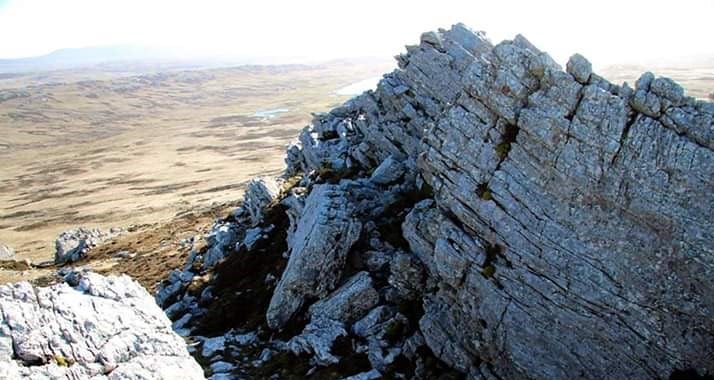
[497,215]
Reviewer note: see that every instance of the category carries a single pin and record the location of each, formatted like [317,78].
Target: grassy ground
[147,253]
[140,149]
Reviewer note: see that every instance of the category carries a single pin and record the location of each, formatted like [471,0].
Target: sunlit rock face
[74,245]
[94,327]
[515,220]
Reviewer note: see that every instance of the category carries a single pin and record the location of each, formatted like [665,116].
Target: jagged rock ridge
[515,220]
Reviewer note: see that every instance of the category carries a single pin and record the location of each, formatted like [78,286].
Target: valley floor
[137,150]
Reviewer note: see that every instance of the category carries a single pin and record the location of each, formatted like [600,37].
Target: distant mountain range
[97,55]
[120,55]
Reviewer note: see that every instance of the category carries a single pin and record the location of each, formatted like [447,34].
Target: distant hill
[88,56]
[121,57]
[71,58]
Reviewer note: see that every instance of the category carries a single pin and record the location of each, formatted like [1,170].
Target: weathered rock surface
[504,217]
[260,192]
[560,201]
[325,233]
[349,302]
[220,237]
[6,253]
[99,328]
[587,222]
[317,339]
[74,244]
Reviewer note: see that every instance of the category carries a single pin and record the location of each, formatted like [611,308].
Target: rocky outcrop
[258,195]
[10,94]
[577,197]
[514,220]
[6,253]
[220,237]
[74,245]
[94,327]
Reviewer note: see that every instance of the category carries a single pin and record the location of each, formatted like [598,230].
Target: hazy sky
[606,31]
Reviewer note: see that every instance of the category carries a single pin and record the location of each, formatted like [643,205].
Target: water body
[359,87]
[270,113]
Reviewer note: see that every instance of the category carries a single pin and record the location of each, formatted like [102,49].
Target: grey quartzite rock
[388,172]
[580,68]
[260,192]
[349,302]
[325,232]
[317,339]
[6,253]
[521,220]
[101,328]
[221,236]
[74,244]
[569,233]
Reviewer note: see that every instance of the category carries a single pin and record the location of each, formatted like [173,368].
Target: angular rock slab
[324,235]
[260,192]
[349,302]
[103,328]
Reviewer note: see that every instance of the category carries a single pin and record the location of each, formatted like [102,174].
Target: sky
[605,31]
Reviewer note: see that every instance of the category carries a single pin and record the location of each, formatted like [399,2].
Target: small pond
[270,113]
[359,87]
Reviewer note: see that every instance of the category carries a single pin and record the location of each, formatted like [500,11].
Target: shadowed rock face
[540,223]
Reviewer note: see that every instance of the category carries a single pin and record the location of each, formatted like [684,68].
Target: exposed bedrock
[571,228]
[519,220]
[74,245]
[97,327]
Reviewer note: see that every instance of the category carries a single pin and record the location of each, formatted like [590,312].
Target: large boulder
[98,327]
[73,245]
[324,234]
[6,253]
[258,195]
